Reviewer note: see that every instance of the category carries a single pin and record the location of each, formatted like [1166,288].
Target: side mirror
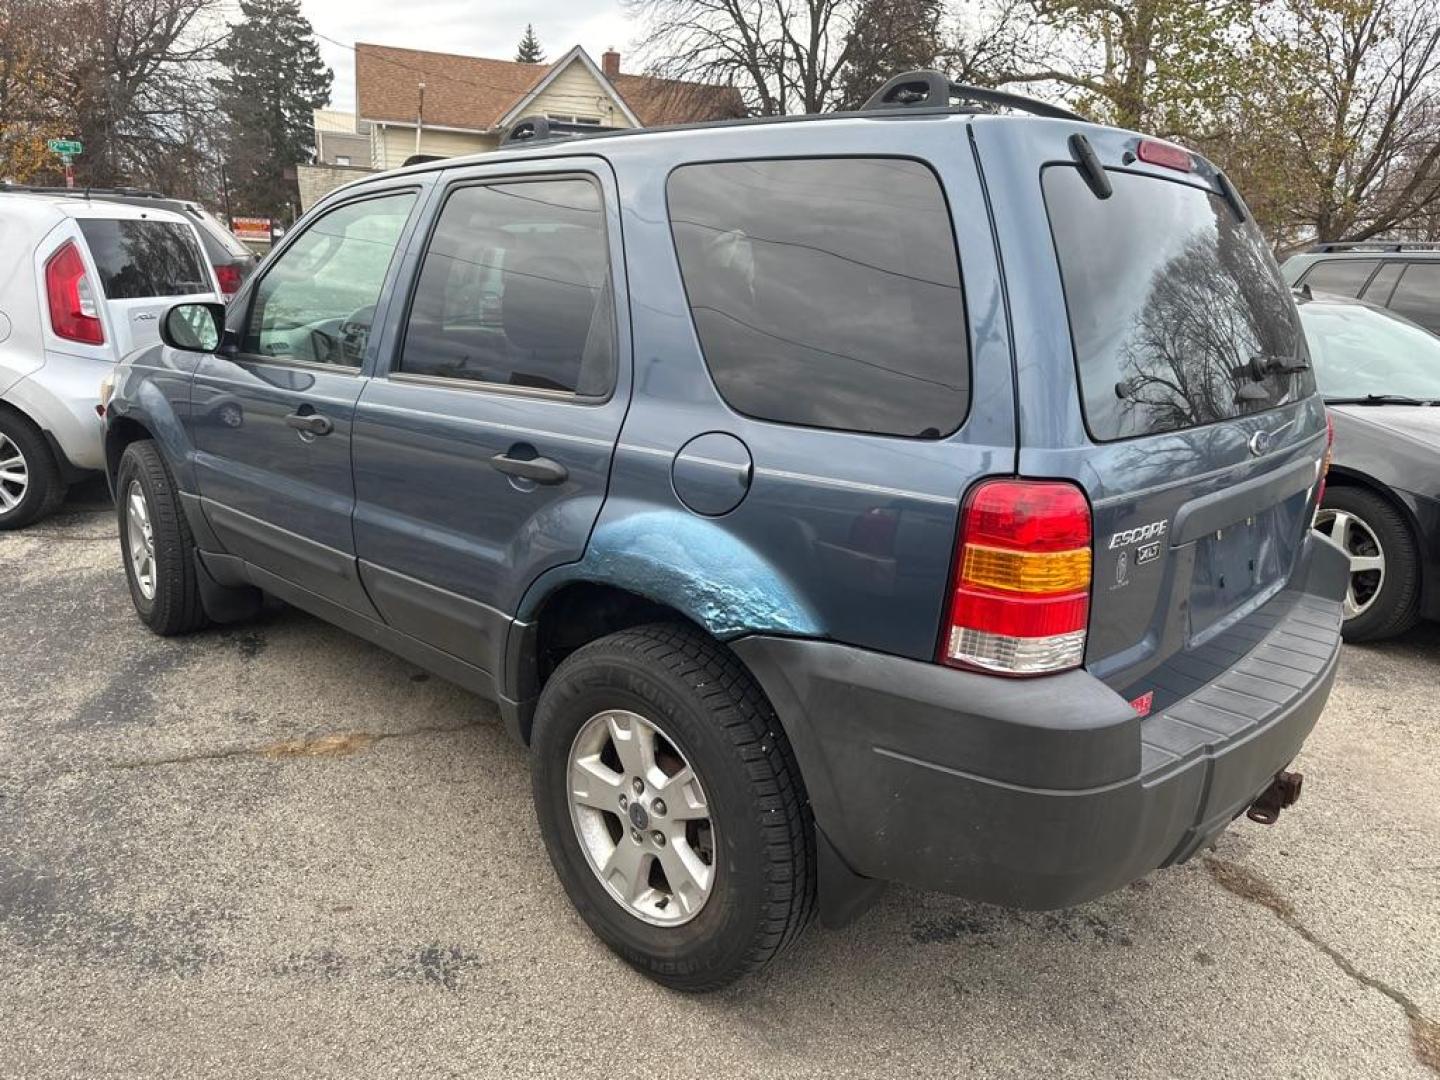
[194,327]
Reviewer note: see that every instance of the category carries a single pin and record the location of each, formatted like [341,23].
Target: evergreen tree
[529,51]
[274,81]
[888,37]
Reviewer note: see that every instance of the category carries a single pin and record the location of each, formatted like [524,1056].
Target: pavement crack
[1248,885]
[335,744]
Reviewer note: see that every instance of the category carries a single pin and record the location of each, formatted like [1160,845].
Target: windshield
[1178,314]
[1359,350]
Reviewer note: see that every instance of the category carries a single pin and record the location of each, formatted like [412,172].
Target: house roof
[474,93]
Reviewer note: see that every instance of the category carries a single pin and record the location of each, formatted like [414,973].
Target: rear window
[1343,277]
[1178,314]
[142,258]
[213,230]
[826,292]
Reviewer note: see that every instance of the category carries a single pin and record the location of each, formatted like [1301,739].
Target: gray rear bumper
[1041,793]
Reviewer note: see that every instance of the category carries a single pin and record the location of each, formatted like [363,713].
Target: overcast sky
[471,27]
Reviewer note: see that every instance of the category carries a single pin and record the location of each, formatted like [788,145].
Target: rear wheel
[30,483]
[1382,598]
[672,807]
[155,540]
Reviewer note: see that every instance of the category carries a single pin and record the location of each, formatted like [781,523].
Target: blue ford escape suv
[920,494]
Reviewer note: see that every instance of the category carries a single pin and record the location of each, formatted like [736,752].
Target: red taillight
[1166,155]
[1325,461]
[230,278]
[1020,603]
[74,314]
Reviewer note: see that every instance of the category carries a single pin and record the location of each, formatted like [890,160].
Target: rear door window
[515,290]
[1342,277]
[826,292]
[143,258]
[1417,297]
[1178,314]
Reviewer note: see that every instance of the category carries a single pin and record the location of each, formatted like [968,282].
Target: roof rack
[81,193]
[535,128]
[931,89]
[1374,245]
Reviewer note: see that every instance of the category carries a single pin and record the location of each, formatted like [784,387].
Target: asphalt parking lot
[274,850]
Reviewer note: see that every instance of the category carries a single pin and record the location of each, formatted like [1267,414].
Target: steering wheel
[355,333]
[322,346]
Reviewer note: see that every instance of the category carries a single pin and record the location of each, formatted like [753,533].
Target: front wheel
[155,542]
[1383,595]
[672,806]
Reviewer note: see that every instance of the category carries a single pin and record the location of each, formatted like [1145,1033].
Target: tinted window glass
[826,293]
[1378,291]
[1175,306]
[514,290]
[316,302]
[145,258]
[1343,277]
[1417,297]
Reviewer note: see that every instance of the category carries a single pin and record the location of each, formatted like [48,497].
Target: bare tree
[785,56]
[127,78]
[1362,113]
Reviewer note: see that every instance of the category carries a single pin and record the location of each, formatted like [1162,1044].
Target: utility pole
[419,117]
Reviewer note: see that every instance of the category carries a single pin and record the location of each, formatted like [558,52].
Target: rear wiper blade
[1381,399]
[1276,362]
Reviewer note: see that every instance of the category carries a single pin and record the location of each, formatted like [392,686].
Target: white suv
[83,283]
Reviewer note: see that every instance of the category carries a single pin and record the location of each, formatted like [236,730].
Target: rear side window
[1178,314]
[1417,297]
[515,290]
[1381,285]
[1342,277]
[826,292]
[143,258]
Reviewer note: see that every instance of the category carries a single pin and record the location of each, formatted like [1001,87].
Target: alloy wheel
[1367,557]
[140,539]
[641,816]
[14,474]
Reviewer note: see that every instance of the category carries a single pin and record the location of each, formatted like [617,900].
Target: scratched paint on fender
[700,569]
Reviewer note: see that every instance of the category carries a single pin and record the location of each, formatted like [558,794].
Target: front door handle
[539,469]
[310,423]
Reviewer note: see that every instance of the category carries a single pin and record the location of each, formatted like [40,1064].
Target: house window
[342,159]
[593,120]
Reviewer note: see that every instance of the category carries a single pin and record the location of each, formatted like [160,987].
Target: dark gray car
[1380,376]
[916,495]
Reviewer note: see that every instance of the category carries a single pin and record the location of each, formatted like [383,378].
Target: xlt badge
[1139,535]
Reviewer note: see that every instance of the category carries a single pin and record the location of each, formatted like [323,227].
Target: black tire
[1396,607]
[175,606]
[44,489]
[708,705]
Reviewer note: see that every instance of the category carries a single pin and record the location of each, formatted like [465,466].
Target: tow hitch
[1283,792]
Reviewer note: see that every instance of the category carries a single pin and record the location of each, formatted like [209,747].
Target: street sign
[68,147]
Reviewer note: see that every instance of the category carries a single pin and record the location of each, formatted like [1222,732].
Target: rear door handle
[541,470]
[310,423]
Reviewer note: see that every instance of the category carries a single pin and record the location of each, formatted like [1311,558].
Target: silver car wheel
[641,817]
[1367,558]
[14,474]
[140,539]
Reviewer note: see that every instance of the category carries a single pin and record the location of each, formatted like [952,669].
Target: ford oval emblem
[1260,442]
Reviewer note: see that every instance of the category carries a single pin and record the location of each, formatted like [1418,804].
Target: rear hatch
[144,265]
[1176,392]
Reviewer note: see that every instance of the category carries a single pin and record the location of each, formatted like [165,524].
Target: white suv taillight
[1020,603]
[74,314]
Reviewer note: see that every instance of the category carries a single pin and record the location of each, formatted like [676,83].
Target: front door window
[316,304]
